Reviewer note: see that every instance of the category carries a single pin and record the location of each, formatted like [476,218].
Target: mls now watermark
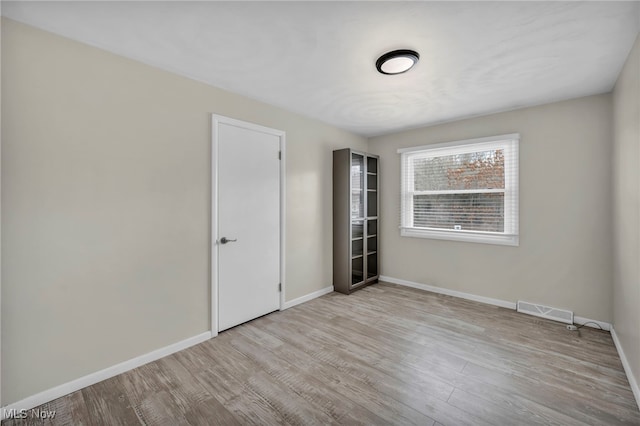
[34,413]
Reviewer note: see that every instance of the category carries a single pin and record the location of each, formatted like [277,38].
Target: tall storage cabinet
[355,219]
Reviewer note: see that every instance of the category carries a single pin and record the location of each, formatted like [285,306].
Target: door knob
[225,240]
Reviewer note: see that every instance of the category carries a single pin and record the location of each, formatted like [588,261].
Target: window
[464,191]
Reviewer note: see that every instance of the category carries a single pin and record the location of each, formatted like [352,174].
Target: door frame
[216,120]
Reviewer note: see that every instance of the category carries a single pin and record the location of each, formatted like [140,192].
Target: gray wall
[564,258]
[626,205]
[106,206]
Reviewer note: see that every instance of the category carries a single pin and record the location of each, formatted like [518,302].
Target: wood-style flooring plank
[107,403]
[337,370]
[328,377]
[383,355]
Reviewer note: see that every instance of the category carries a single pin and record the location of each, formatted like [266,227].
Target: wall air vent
[543,311]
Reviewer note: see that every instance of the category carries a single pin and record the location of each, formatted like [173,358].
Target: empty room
[444,202]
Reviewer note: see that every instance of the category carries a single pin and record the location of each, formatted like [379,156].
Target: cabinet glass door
[358,247]
[357,186]
[357,252]
[372,187]
[372,256]
[371,232]
[372,265]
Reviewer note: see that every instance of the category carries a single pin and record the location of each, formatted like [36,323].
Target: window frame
[509,143]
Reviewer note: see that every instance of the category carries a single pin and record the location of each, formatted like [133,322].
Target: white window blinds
[466,190]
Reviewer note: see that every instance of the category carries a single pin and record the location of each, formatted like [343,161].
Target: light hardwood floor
[383,355]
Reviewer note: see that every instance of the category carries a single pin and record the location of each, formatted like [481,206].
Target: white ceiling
[318,58]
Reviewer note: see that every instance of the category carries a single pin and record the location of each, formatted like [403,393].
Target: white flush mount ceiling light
[397,61]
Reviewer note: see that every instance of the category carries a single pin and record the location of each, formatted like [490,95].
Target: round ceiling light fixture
[397,61]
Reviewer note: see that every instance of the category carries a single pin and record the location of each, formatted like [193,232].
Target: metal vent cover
[543,311]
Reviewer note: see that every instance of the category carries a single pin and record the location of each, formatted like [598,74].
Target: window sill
[467,236]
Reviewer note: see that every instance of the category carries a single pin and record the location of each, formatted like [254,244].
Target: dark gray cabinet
[355,219]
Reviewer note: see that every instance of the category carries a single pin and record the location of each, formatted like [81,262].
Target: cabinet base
[351,289]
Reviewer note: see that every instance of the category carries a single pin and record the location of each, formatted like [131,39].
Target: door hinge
[279,155]
[279,286]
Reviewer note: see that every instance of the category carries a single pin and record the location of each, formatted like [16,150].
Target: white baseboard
[627,367]
[488,300]
[440,290]
[93,378]
[306,298]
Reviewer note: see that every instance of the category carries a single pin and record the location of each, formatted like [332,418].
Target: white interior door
[247,233]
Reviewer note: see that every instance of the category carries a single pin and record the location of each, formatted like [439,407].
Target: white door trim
[216,120]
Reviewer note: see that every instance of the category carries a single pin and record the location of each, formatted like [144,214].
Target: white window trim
[509,143]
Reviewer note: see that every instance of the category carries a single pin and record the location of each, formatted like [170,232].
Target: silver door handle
[225,240]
